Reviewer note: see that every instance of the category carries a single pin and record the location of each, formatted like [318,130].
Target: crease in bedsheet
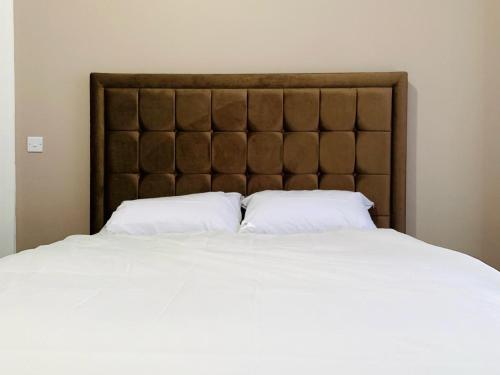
[181,286]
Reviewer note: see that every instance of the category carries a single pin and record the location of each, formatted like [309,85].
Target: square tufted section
[157,185]
[193,110]
[265,152]
[265,109]
[157,152]
[374,108]
[156,109]
[229,152]
[121,187]
[192,183]
[163,135]
[122,109]
[192,152]
[229,183]
[258,182]
[301,151]
[301,182]
[373,152]
[337,152]
[338,109]
[301,108]
[229,110]
[123,152]
[337,182]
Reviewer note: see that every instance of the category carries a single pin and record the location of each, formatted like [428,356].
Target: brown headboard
[163,134]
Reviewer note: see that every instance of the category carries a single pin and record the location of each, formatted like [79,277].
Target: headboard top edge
[249,80]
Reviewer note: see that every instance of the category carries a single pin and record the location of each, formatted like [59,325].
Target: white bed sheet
[345,302]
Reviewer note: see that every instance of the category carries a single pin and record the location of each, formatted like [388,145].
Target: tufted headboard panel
[160,134]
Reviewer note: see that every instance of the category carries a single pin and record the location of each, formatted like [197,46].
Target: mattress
[344,302]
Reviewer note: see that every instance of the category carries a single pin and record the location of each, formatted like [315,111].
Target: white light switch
[35,144]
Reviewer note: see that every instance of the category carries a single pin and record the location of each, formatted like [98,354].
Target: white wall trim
[7,131]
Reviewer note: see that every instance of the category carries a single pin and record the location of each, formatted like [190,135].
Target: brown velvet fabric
[338,109]
[374,109]
[122,111]
[265,110]
[337,152]
[229,110]
[193,110]
[337,182]
[230,182]
[265,153]
[259,182]
[192,183]
[157,109]
[157,152]
[157,185]
[301,110]
[123,152]
[229,152]
[192,152]
[373,152]
[301,182]
[161,135]
[300,154]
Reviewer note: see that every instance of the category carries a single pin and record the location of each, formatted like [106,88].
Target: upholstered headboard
[162,134]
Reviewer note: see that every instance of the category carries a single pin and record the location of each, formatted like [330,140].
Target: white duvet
[346,302]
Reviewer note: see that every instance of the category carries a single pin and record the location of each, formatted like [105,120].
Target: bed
[345,301]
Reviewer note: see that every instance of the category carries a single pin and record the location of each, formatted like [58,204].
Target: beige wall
[440,43]
[491,156]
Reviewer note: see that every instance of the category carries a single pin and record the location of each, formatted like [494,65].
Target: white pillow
[204,212]
[279,212]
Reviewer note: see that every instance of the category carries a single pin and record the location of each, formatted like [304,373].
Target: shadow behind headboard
[163,134]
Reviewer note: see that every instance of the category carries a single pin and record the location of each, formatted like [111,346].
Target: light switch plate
[35,144]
